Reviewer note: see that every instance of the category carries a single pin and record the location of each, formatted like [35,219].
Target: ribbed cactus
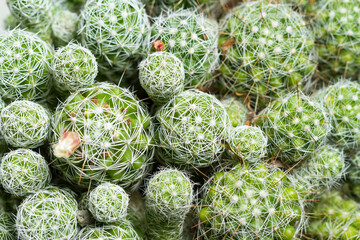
[334,218]
[251,203]
[168,198]
[25,124]
[24,66]
[267,49]
[102,133]
[342,101]
[162,76]
[236,110]
[64,26]
[24,171]
[191,127]
[48,214]
[108,203]
[115,31]
[295,125]
[74,67]
[192,38]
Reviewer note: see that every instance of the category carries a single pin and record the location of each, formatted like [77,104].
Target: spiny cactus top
[108,203]
[192,38]
[114,30]
[64,26]
[162,76]
[24,171]
[102,133]
[74,67]
[236,110]
[191,127]
[267,48]
[259,203]
[48,214]
[334,218]
[24,66]
[25,124]
[342,101]
[295,126]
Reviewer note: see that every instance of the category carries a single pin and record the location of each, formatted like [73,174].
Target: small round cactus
[267,48]
[168,198]
[192,38]
[64,26]
[295,126]
[47,214]
[108,203]
[162,76]
[102,133]
[24,171]
[236,110]
[25,124]
[259,203]
[191,127]
[342,101]
[74,67]
[24,66]
[114,30]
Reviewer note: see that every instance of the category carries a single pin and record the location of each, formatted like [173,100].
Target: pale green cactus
[236,110]
[64,26]
[25,124]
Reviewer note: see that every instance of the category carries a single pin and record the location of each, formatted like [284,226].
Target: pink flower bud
[158,45]
[67,145]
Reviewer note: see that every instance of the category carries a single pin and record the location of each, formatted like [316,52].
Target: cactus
[24,66]
[102,133]
[108,203]
[74,67]
[342,101]
[334,217]
[192,38]
[236,110]
[168,198]
[162,76]
[295,126]
[354,173]
[25,124]
[24,171]
[115,31]
[256,203]
[191,127]
[267,49]
[7,231]
[64,26]
[48,214]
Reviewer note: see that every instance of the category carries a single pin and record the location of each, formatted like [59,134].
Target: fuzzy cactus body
[25,124]
[168,198]
[24,66]
[115,31]
[193,39]
[102,133]
[295,126]
[108,203]
[267,49]
[24,171]
[259,203]
[47,214]
[191,127]
[236,110]
[74,67]
[162,75]
[64,26]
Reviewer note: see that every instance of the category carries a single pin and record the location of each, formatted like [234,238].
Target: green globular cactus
[295,125]
[251,203]
[192,38]
[115,31]
[24,66]
[24,171]
[168,198]
[108,203]
[191,127]
[334,218]
[162,75]
[25,124]
[48,214]
[267,49]
[74,67]
[64,26]
[342,101]
[236,110]
[102,133]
